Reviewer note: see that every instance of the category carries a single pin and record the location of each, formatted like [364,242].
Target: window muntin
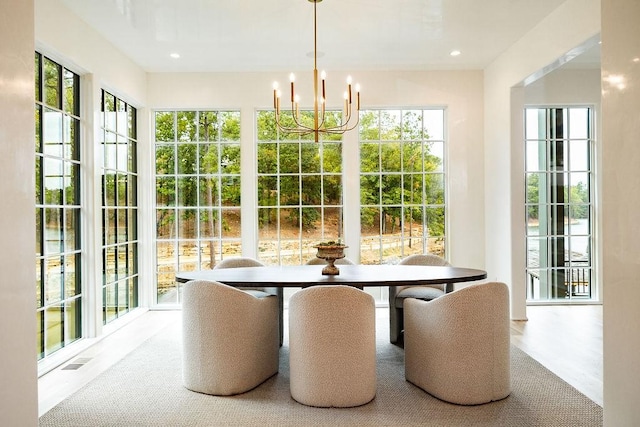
[119,208]
[59,290]
[559,210]
[299,191]
[197,157]
[402,184]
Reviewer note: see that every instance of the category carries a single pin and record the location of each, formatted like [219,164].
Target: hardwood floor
[565,339]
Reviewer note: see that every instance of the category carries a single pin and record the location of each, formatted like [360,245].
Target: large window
[197,155]
[119,208]
[402,184]
[58,259]
[559,222]
[299,192]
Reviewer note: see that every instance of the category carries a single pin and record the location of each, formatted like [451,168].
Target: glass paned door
[559,210]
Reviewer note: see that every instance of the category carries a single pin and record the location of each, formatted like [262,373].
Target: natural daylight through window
[119,208]
[402,184]
[560,213]
[59,293]
[197,158]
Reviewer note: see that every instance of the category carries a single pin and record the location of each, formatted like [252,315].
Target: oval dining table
[352,275]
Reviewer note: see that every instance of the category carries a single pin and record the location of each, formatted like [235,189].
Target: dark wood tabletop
[353,275]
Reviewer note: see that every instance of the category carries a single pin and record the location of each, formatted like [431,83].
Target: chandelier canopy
[298,125]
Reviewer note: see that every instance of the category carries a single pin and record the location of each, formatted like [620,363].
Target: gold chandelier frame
[320,125]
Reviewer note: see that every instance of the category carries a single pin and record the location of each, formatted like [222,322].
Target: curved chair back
[250,262]
[332,346]
[397,294]
[238,262]
[424,259]
[457,347]
[229,338]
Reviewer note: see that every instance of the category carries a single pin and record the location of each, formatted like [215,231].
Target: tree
[399,171]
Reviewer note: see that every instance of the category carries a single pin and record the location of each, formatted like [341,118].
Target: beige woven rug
[145,389]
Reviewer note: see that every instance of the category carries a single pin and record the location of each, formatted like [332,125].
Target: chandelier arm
[344,121]
[298,123]
[342,129]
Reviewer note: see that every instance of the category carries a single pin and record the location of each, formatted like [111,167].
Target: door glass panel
[559,204]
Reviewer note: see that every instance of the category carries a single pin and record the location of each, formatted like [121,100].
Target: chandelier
[297,125]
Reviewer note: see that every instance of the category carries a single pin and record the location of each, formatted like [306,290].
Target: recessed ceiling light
[455,53]
[174,55]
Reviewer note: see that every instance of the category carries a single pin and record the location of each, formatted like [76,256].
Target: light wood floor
[565,339]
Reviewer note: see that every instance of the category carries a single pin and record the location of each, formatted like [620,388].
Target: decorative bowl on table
[330,252]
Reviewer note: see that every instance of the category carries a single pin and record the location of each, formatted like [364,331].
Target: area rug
[145,389]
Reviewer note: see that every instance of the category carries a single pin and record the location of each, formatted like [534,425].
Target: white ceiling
[277,35]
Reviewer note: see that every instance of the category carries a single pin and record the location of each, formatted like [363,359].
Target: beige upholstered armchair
[457,347]
[250,262]
[332,346]
[229,338]
[397,294]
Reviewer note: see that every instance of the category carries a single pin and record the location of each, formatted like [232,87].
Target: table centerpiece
[330,251]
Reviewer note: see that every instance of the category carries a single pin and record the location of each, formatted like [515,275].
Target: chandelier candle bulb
[275,94]
[292,78]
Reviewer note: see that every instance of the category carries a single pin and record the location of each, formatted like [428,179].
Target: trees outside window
[197,159]
[299,191]
[402,184]
[59,290]
[119,149]
[559,222]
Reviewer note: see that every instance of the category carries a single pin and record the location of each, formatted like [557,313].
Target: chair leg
[281,315]
[396,323]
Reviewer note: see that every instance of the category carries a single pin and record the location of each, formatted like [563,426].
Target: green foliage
[165,128]
[197,143]
[298,170]
[399,172]
[230,126]
[532,195]
[576,196]
[306,218]
[52,76]
[579,200]
[368,216]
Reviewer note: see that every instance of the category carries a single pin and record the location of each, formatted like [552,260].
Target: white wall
[63,36]
[566,86]
[18,390]
[574,22]
[459,91]
[621,204]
